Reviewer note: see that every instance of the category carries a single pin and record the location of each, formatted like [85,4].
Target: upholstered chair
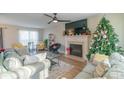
[40,46]
[17,45]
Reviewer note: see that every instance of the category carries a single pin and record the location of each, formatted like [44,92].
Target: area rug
[58,70]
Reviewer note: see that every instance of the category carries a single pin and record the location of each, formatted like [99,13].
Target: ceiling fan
[55,19]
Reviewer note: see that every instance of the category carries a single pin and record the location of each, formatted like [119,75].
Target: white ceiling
[38,20]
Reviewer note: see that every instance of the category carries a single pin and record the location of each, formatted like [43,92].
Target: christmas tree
[105,40]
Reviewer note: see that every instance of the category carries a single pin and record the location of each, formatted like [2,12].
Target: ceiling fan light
[55,21]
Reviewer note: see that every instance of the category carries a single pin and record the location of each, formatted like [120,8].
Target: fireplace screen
[76,50]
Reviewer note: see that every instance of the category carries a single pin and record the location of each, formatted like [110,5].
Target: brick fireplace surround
[81,40]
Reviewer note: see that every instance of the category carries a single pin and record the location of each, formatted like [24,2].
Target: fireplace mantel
[82,40]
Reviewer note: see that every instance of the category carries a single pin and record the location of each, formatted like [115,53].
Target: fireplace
[78,45]
[76,50]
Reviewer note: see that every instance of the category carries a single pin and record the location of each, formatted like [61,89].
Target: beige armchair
[40,46]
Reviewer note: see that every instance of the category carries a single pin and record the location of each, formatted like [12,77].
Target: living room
[26,27]
[73,65]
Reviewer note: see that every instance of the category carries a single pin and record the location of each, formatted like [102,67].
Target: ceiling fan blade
[64,20]
[48,15]
[50,21]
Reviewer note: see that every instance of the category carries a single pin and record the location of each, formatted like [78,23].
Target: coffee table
[54,58]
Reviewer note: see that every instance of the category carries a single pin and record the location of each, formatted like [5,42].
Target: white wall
[11,35]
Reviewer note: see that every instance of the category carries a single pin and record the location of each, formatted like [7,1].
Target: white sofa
[115,72]
[36,70]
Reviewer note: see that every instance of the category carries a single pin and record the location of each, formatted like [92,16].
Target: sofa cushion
[116,59]
[100,70]
[41,56]
[84,75]
[12,60]
[28,71]
[22,51]
[12,53]
[30,59]
[23,72]
[89,68]
[98,58]
[116,72]
[8,75]
[12,63]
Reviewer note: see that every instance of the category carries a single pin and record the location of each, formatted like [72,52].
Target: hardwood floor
[78,66]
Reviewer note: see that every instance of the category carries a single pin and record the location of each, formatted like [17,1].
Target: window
[28,36]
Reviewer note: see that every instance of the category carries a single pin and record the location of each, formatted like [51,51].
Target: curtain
[26,37]
[1,38]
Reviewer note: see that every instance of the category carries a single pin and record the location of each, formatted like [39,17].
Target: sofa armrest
[28,71]
[45,73]
[46,62]
[8,75]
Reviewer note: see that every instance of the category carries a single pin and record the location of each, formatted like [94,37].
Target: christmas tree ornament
[104,36]
[95,35]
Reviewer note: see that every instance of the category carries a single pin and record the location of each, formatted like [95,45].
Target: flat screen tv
[79,26]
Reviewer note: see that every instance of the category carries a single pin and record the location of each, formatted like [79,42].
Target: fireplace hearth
[76,50]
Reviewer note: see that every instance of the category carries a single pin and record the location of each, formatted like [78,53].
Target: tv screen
[80,30]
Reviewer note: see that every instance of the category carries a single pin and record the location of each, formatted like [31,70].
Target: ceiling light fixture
[55,21]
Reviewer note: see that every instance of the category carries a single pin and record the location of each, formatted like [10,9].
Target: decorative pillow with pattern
[12,60]
[12,63]
[12,53]
[98,58]
[101,69]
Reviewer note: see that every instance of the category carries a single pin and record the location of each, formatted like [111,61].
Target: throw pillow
[12,53]
[12,63]
[116,59]
[101,69]
[22,51]
[98,58]
[116,72]
[41,56]
[30,59]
